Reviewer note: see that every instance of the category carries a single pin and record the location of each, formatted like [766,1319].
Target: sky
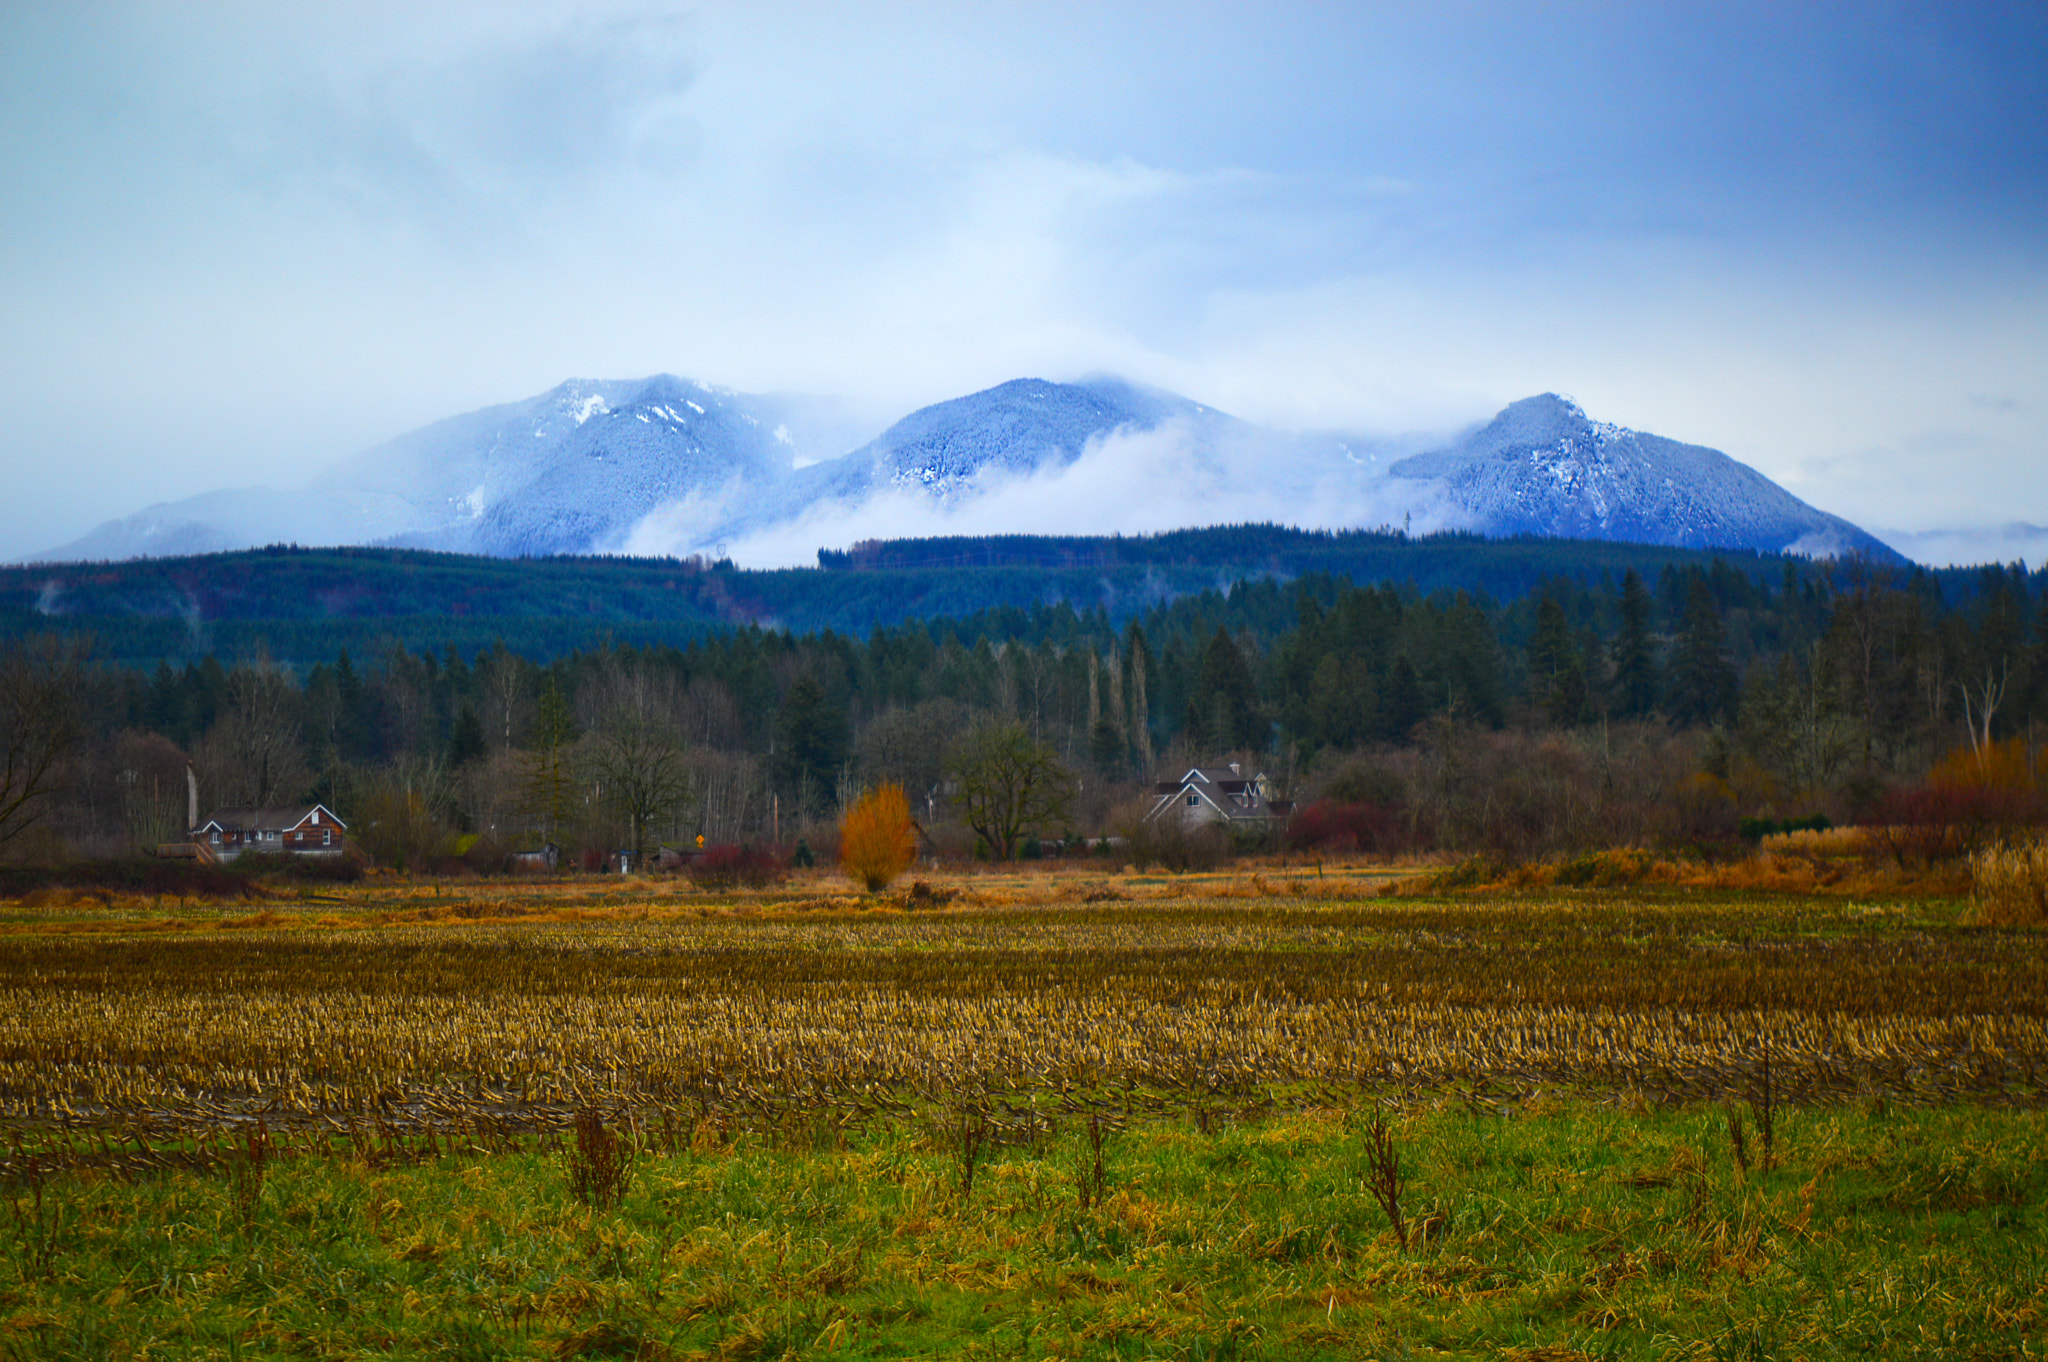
[240,242]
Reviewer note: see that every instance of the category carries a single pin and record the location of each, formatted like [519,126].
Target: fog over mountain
[666,466]
[243,243]
[2017,542]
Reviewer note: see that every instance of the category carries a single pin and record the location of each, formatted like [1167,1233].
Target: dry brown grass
[2009,885]
[1810,842]
[1766,871]
[536,1000]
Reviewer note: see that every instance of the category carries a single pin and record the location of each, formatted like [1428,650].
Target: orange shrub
[2000,765]
[876,839]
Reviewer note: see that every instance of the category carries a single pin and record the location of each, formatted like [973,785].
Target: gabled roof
[1231,793]
[1218,777]
[281,819]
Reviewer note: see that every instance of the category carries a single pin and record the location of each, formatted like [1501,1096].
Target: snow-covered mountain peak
[670,465]
[1543,466]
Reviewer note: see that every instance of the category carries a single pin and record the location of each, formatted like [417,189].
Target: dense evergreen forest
[1599,703]
[299,606]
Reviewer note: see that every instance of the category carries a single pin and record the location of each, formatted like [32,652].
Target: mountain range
[666,466]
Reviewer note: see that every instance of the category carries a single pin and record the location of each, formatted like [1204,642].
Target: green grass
[1554,1227]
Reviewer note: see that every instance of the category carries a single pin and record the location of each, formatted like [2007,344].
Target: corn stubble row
[423,1028]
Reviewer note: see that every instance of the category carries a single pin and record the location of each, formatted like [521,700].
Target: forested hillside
[1590,706]
[298,606]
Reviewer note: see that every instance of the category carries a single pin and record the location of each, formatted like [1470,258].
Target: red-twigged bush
[1918,827]
[1332,825]
[728,865]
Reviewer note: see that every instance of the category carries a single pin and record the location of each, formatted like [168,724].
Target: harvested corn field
[402,1019]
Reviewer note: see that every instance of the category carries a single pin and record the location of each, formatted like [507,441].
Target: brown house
[304,829]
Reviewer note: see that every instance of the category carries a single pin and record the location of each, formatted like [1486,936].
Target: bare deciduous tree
[40,727]
[254,756]
[1010,785]
[636,748]
[639,766]
[506,680]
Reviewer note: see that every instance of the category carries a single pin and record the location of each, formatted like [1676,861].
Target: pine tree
[466,742]
[1225,697]
[547,787]
[1557,680]
[1634,684]
[1702,679]
[810,742]
[1403,705]
[1139,656]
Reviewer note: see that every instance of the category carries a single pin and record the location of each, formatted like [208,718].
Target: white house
[1219,794]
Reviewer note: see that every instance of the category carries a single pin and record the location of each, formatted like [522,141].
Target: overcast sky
[238,242]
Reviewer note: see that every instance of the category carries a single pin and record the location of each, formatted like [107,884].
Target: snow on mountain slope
[1542,466]
[591,459]
[569,471]
[666,466]
[1031,456]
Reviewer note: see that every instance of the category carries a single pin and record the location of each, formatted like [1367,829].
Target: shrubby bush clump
[1756,829]
[738,865]
[877,840]
[137,875]
[286,865]
[1171,844]
[1332,825]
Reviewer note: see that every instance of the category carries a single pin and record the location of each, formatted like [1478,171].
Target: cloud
[241,242]
[1127,482]
[2013,543]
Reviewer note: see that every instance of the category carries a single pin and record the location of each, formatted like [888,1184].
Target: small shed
[546,857]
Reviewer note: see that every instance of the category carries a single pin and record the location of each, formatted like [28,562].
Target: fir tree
[1557,680]
[1225,697]
[1634,680]
[810,743]
[1702,678]
[547,786]
[1403,705]
[466,742]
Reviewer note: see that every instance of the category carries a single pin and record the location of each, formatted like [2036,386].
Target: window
[326,838]
[1194,800]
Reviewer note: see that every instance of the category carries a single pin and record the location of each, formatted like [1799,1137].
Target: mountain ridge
[671,466]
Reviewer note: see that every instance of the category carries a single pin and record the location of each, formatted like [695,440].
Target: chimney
[191,798]
[1235,769]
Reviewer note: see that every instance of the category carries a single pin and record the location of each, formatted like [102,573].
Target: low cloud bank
[1970,547]
[1129,482]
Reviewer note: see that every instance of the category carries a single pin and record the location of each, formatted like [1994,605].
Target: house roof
[1213,777]
[1230,792]
[281,819]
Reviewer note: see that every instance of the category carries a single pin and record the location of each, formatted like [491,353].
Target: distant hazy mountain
[2016,542]
[663,465]
[1542,466]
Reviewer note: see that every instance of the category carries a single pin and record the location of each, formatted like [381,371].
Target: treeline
[1661,708]
[301,605]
